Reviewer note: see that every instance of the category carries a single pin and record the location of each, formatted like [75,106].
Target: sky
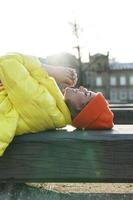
[42,27]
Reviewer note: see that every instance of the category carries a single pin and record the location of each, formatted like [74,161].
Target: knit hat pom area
[95,115]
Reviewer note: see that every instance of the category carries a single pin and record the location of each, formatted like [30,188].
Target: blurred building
[113,79]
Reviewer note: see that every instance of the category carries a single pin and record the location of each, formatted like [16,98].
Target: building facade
[113,79]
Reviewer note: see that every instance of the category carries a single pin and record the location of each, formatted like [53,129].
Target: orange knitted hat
[95,115]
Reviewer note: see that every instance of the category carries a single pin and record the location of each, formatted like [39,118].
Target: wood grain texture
[77,156]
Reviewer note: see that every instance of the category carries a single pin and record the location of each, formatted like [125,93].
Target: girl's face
[78,97]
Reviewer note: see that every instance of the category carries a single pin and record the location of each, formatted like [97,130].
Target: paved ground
[87,187]
[66,192]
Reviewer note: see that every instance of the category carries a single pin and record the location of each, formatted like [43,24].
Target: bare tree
[75,30]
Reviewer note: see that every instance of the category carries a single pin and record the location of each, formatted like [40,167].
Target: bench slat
[78,156]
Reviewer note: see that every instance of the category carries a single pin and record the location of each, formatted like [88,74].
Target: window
[100,90]
[131,80]
[87,75]
[131,94]
[113,95]
[99,81]
[112,80]
[122,80]
[123,94]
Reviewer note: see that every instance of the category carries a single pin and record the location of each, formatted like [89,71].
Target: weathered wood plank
[78,156]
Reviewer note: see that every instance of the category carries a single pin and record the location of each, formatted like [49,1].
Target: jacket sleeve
[8,122]
[18,73]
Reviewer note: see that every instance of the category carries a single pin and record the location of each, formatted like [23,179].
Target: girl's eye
[85,93]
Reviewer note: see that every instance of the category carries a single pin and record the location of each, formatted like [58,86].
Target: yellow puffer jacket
[30,100]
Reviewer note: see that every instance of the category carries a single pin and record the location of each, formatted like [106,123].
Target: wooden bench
[123,113]
[70,156]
